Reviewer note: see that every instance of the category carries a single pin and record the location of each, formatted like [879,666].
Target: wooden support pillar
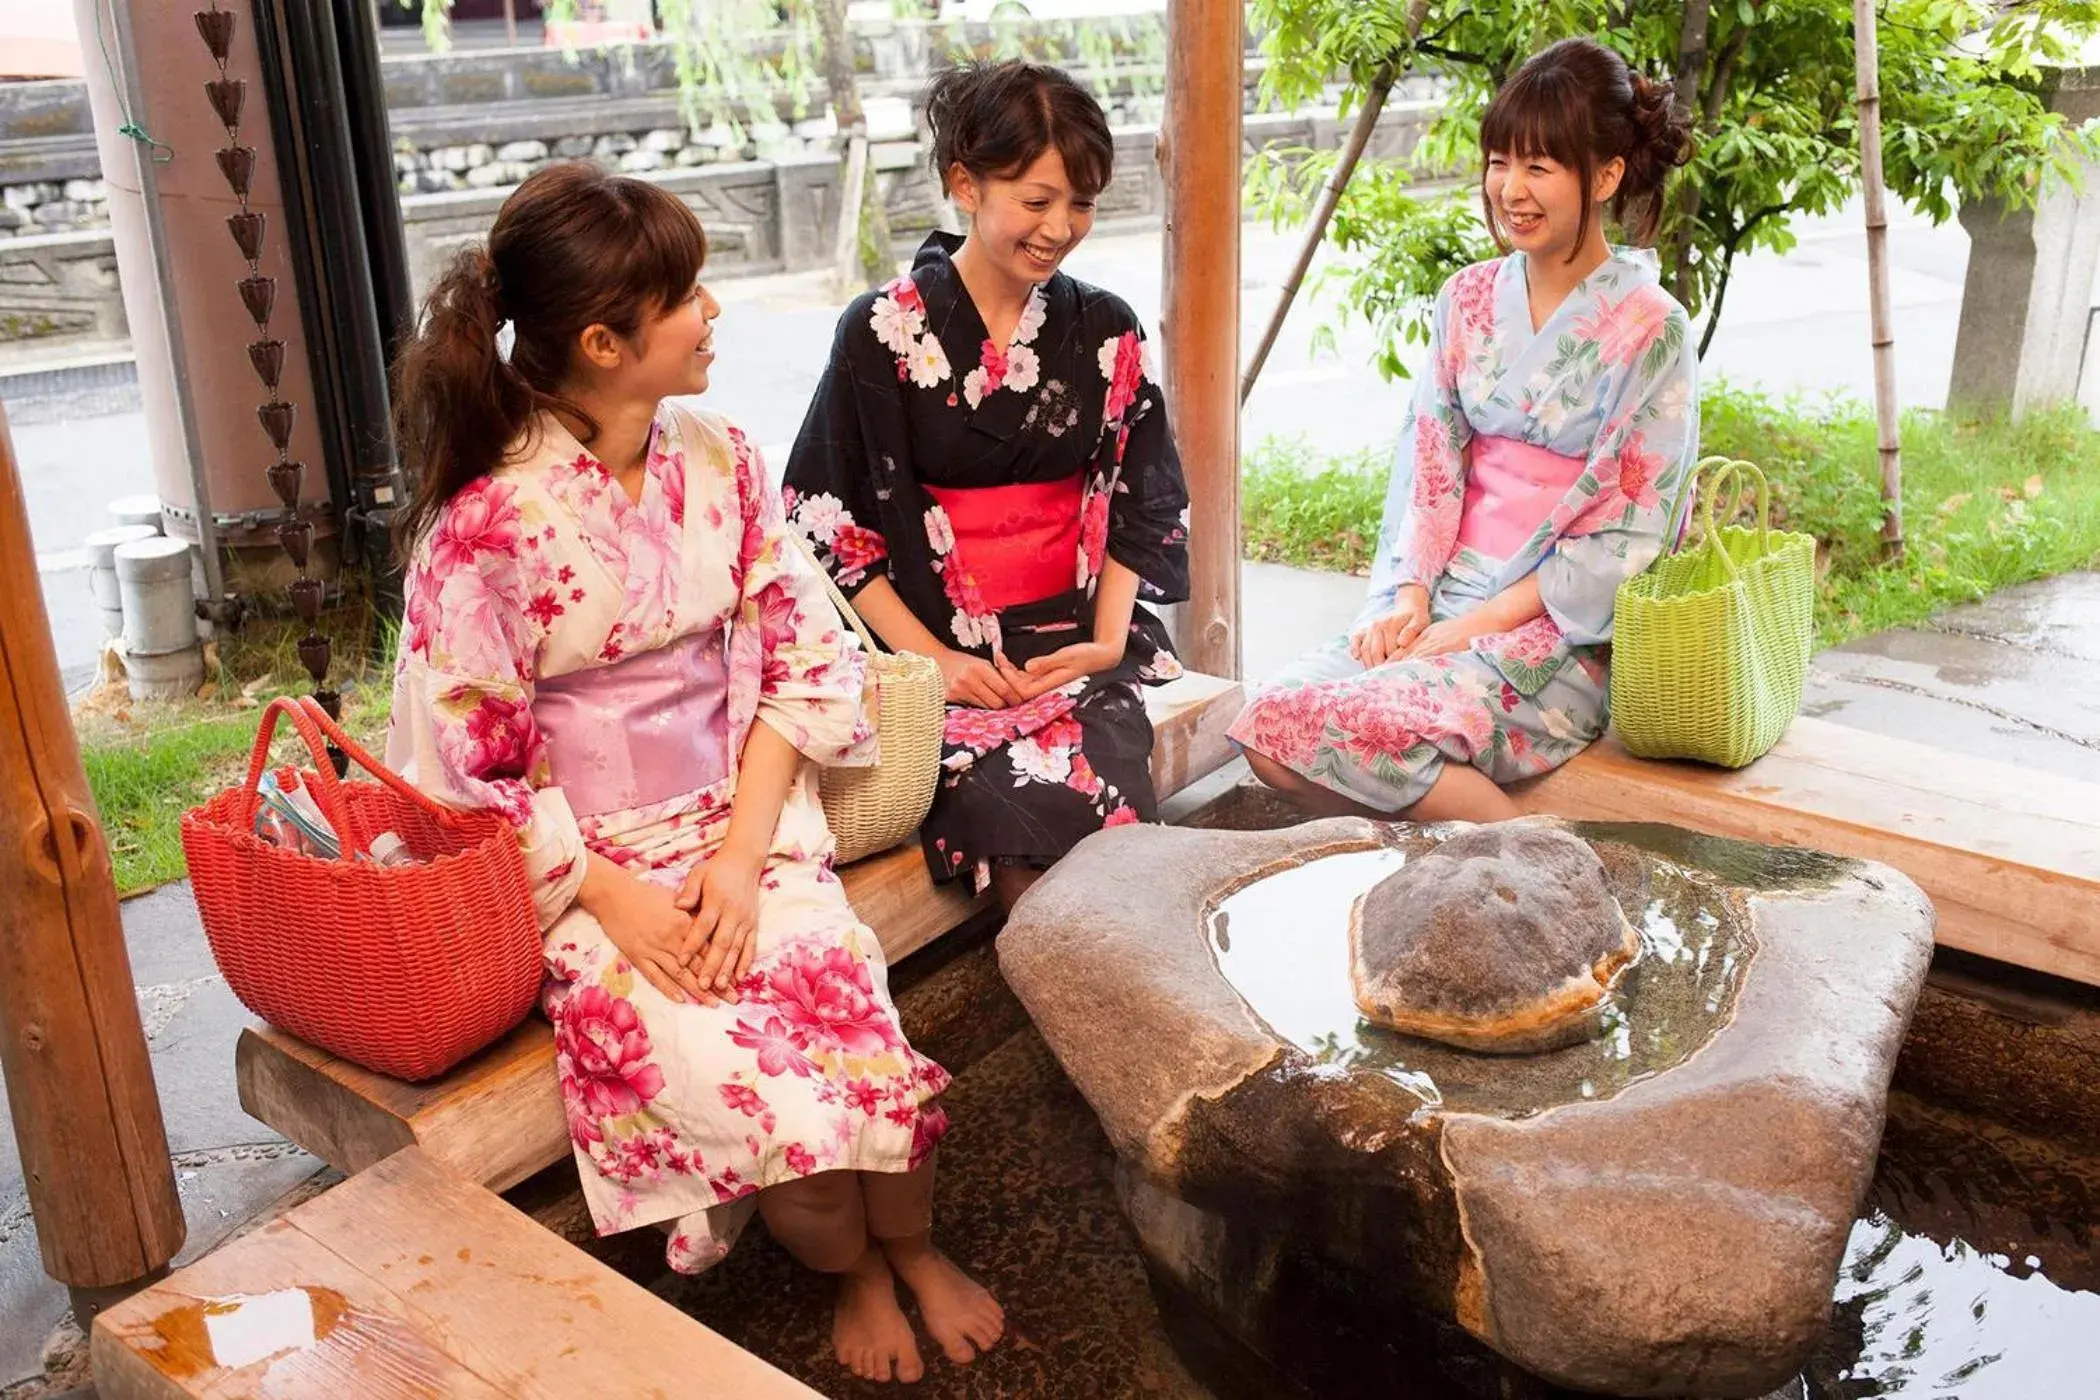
[1199,159]
[79,1083]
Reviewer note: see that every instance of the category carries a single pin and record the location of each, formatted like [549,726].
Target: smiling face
[670,354]
[1540,204]
[1025,226]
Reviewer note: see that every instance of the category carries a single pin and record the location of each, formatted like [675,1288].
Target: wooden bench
[2010,857]
[409,1280]
[498,1118]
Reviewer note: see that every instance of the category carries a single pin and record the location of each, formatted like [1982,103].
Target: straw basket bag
[406,970]
[1710,646]
[872,809]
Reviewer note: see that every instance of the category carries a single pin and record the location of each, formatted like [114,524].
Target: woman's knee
[1275,774]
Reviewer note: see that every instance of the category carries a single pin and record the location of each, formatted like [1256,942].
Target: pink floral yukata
[589,666]
[1562,451]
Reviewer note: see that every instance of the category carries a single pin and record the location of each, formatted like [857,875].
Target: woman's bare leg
[1320,801]
[961,1315]
[1462,794]
[823,1221]
[1010,882]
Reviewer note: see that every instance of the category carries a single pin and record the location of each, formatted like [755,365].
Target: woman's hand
[646,925]
[1442,638]
[972,681]
[1387,638]
[1061,667]
[722,892]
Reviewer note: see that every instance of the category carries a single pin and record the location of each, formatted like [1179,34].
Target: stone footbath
[1659,1210]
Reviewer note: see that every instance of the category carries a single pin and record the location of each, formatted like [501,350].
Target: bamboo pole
[1199,157]
[79,1082]
[1330,198]
[1888,432]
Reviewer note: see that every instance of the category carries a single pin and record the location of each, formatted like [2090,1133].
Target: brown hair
[995,119]
[1577,103]
[572,247]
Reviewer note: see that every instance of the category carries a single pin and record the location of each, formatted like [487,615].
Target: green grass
[1987,503]
[149,762]
[143,785]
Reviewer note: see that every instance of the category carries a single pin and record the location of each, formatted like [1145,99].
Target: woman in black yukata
[987,471]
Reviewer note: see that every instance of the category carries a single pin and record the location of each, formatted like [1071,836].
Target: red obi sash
[1021,542]
[1511,487]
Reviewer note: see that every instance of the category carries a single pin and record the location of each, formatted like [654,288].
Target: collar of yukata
[1014,366]
[557,441]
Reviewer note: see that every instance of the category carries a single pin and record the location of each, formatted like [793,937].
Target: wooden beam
[409,1281]
[79,1082]
[1199,158]
[2010,857]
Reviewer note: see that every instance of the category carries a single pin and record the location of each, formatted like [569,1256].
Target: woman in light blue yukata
[1554,429]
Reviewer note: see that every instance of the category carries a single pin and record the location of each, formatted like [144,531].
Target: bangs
[666,247]
[1539,113]
[1068,121]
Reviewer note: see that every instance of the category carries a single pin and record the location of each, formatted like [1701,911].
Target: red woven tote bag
[404,969]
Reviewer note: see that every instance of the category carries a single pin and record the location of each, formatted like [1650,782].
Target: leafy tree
[1768,85]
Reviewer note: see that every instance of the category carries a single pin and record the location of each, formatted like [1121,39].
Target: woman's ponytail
[457,405]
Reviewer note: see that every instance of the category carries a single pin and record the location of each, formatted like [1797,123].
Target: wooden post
[1888,432]
[79,1083]
[1199,158]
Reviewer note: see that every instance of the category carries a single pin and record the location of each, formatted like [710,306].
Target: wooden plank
[409,1280]
[271,1314]
[79,1081]
[498,1118]
[1189,719]
[2010,858]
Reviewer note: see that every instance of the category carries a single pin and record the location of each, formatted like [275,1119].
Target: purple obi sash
[648,727]
[1511,487]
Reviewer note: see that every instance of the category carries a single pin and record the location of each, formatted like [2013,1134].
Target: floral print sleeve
[1137,509]
[827,494]
[1426,493]
[809,670]
[1641,462]
[462,727]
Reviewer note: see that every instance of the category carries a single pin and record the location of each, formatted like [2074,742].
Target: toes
[957,1348]
[909,1366]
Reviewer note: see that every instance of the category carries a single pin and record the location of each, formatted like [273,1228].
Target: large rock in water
[1660,1211]
[1506,938]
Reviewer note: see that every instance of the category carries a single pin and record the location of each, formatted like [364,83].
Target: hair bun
[1666,135]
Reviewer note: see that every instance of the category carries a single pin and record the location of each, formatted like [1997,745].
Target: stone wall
[468,127]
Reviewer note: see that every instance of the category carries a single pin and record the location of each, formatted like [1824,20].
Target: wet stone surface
[1504,939]
[1662,1212]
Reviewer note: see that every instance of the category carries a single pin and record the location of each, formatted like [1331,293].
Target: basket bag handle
[839,599]
[318,730]
[1713,474]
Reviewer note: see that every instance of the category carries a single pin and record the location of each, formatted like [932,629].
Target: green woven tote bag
[1710,645]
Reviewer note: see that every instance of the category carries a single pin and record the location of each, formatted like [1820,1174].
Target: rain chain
[266,353]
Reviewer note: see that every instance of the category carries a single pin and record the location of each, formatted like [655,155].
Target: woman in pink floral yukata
[986,469]
[610,640]
[1554,428]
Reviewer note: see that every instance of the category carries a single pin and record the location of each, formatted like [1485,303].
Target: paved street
[1797,323]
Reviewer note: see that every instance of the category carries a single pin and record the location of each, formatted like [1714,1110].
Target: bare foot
[961,1315]
[868,1330]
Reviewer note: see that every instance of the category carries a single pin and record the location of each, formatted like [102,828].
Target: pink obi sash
[1021,542]
[648,727]
[1511,487]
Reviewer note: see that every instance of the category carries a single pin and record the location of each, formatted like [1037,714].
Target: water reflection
[1283,942]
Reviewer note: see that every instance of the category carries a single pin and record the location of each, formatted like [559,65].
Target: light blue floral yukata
[1563,451]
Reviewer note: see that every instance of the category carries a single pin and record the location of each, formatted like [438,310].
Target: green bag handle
[1713,474]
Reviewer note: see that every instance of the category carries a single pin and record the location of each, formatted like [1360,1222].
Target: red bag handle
[318,730]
